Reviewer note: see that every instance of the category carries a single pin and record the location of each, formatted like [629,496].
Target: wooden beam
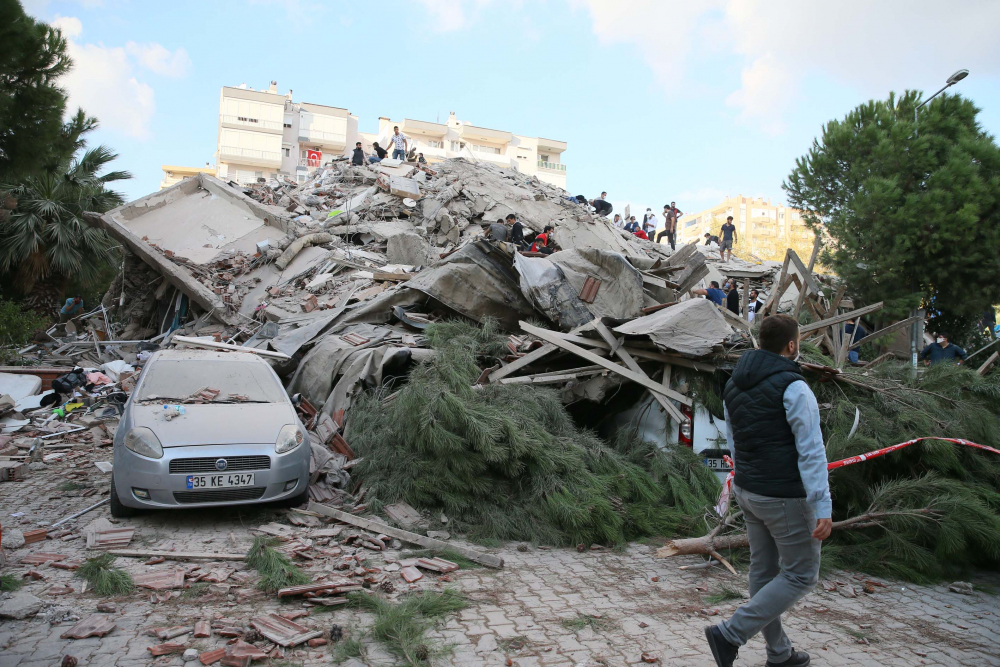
[530,358]
[835,304]
[804,273]
[551,337]
[989,362]
[780,287]
[551,378]
[640,352]
[735,320]
[478,556]
[212,345]
[888,329]
[840,318]
[844,346]
[621,353]
[878,360]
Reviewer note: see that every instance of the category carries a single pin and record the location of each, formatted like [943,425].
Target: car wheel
[118,510]
[295,501]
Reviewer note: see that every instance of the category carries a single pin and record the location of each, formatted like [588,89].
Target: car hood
[218,424]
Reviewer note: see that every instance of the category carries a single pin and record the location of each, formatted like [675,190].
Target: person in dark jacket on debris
[711,238]
[942,350]
[733,298]
[358,158]
[516,231]
[782,487]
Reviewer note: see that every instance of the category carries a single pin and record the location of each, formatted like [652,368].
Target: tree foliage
[32,57]
[506,462]
[46,234]
[912,209]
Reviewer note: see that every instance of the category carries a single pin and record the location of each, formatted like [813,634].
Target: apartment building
[263,133]
[764,229]
[457,138]
[173,174]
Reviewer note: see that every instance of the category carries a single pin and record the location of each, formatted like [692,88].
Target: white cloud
[452,15]
[159,59]
[103,80]
[779,43]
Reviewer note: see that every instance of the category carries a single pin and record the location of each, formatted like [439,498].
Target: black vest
[766,459]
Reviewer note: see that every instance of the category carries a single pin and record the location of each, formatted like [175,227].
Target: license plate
[718,465]
[219,481]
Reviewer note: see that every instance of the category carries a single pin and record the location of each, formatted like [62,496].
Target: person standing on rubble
[358,158]
[782,487]
[712,293]
[942,350]
[380,153]
[854,329]
[754,306]
[399,144]
[733,298]
[618,222]
[631,226]
[728,236]
[670,216]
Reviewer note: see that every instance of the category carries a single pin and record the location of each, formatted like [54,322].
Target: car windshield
[210,380]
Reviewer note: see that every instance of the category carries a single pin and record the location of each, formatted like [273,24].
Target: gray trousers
[784,566]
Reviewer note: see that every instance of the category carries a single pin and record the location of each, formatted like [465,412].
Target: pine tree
[912,208]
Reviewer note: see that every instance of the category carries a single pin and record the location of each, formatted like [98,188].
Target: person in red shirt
[641,234]
[542,240]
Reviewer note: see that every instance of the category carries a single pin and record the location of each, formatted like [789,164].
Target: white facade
[263,134]
[456,138]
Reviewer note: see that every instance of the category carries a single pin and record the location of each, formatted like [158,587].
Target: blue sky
[658,100]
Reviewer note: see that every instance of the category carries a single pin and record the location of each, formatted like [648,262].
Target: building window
[543,158]
[691,223]
[454,146]
[486,149]
[435,144]
[288,125]
[288,152]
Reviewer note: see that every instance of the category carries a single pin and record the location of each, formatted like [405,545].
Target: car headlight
[144,442]
[289,437]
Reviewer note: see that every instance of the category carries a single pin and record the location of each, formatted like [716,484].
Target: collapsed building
[335,280]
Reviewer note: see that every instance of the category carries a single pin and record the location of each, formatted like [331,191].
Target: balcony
[252,123]
[472,134]
[551,145]
[420,127]
[323,138]
[551,166]
[250,156]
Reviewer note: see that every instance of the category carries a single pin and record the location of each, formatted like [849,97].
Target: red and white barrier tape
[723,505]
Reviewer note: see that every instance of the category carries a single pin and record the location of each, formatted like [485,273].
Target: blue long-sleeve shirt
[802,413]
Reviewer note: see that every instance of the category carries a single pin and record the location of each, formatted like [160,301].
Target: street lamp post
[916,330]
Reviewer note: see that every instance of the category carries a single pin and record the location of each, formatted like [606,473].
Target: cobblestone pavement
[545,607]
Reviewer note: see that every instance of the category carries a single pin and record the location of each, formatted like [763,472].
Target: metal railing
[554,166]
[252,122]
[270,156]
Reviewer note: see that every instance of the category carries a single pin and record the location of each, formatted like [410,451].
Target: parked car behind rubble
[205,428]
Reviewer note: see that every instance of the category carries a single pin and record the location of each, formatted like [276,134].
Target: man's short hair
[729,218]
[776,332]
[945,335]
[714,283]
[395,127]
[358,144]
[603,193]
[500,221]
[548,228]
[511,216]
[707,234]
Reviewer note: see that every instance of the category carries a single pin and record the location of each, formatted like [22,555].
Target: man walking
[782,487]
[670,215]
[727,236]
[399,144]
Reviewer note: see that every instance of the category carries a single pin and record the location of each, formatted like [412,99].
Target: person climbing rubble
[541,242]
[498,231]
[781,485]
[71,309]
[399,144]
[516,231]
[380,153]
[713,293]
[602,206]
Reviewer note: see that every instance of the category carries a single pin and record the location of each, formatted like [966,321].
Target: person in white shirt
[649,222]
[399,144]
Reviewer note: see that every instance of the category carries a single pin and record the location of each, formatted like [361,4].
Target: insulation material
[692,327]
[546,286]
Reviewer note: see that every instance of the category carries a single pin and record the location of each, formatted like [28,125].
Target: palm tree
[45,238]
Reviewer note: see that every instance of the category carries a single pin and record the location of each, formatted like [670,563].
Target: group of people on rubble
[400,150]
[647,228]
[510,230]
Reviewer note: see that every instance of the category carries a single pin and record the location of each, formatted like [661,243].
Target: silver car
[240,443]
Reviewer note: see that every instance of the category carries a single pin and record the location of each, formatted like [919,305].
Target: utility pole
[917,329]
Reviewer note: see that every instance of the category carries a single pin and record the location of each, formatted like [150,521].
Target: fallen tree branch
[712,543]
